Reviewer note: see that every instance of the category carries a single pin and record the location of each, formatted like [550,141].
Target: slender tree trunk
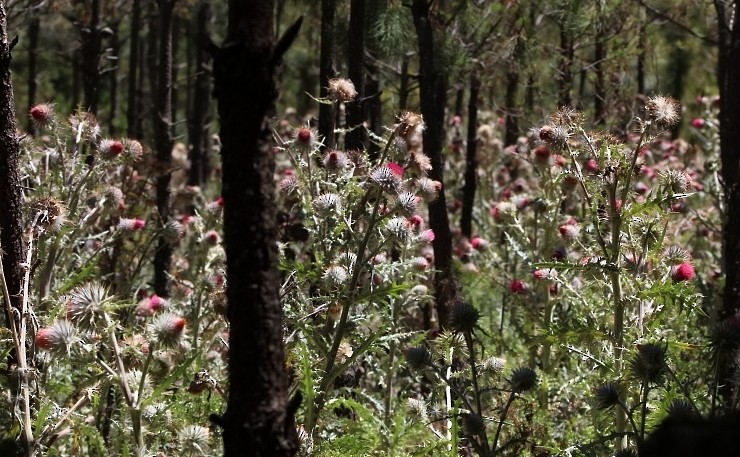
[257,421]
[34,27]
[600,77]
[471,163]
[372,77]
[11,216]
[728,75]
[200,109]
[356,138]
[327,71]
[133,114]
[433,98]
[641,54]
[174,81]
[512,122]
[403,90]
[115,46]
[163,141]
[152,68]
[90,39]
[567,53]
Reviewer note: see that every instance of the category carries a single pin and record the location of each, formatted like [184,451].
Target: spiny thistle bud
[682,272]
[167,329]
[494,364]
[648,364]
[288,184]
[398,227]
[426,236]
[523,379]
[555,137]
[48,214]
[569,232]
[504,212]
[57,339]
[347,259]
[131,225]
[87,305]
[387,178]
[569,183]
[681,409]
[41,115]
[327,204]
[305,138]
[478,243]
[133,148]
[408,202]
[473,424]
[516,286]
[428,188]
[212,238]
[417,407]
[675,181]
[420,263]
[418,357]
[173,231]
[675,255]
[335,161]
[193,440]
[463,317]
[606,395]
[335,275]
[110,149]
[664,111]
[542,156]
[342,90]
[216,207]
[114,195]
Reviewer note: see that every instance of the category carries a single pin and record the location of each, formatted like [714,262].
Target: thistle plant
[96,350]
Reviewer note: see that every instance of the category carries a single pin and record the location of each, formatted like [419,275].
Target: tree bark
[356,138]
[433,99]
[471,163]
[327,71]
[512,123]
[90,39]
[34,27]
[372,78]
[728,75]
[567,52]
[200,109]
[163,141]
[11,200]
[600,76]
[257,421]
[133,126]
[115,47]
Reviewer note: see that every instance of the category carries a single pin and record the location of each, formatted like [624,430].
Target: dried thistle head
[567,116]
[663,111]
[48,214]
[342,90]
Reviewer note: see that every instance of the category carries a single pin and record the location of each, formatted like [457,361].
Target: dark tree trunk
[403,90]
[372,77]
[200,109]
[433,98]
[34,27]
[356,138]
[115,47]
[11,200]
[174,81]
[163,141]
[566,66]
[257,421]
[90,47]
[641,54]
[133,115]
[600,77]
[471,163]
[728,75]
[327,71]
[512,121]
[152,69]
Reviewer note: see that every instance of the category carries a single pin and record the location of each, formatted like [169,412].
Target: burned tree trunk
[34,27]
[199,109]
[163,141]
[257,421]
[133,121]
[356,138]
[471,163]
[433,96]
[327,71]
[91,42]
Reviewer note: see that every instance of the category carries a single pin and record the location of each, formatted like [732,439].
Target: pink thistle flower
[420,263]
[110,149]
[395,168]
[216,206]
[683,272]
[56,339]
[478,243]
[131,225]
[212,237]
[427,236]
[41,115]
[591,166]
[168,329]
[516,286]
[698,123]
